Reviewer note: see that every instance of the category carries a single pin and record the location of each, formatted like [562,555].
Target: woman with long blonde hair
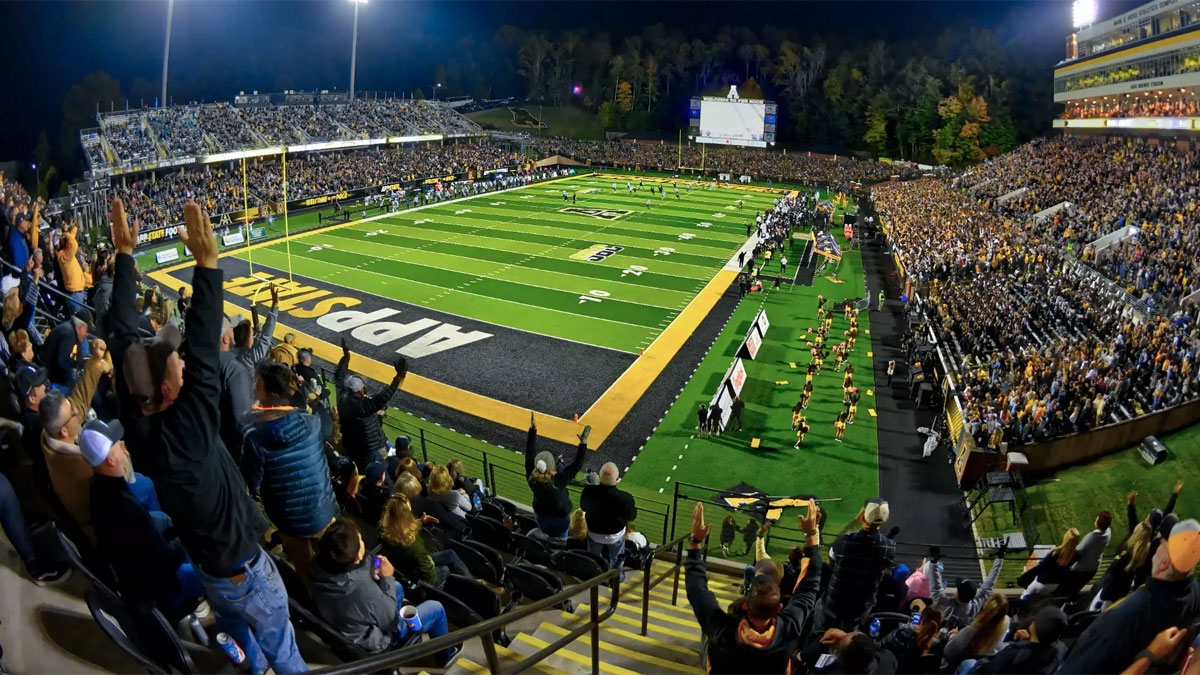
[1126,568]
[984,637]
[1053,568]
[441,490]
[400,541]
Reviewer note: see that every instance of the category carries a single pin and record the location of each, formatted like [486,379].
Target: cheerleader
[853,335]
[839,427]
[849,310]
[839,355]
[805,395]
[848,378]
[800,426]
[853,400]
[808,377]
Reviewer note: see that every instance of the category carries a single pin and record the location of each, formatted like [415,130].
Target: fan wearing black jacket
[551,500]
[760,634]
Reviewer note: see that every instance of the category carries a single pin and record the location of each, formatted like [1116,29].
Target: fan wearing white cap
[860,560]
[148,567]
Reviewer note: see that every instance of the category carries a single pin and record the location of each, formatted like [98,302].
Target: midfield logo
[597,252]
[604,214]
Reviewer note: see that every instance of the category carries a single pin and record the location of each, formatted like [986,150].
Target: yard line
[361,250]
[447,291]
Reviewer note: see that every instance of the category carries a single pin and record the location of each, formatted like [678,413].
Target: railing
[648,584]
[485,629]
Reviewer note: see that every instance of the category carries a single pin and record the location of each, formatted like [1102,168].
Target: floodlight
[360,2]
[1083,13]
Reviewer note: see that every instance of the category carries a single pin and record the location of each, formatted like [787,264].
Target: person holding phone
[357,594]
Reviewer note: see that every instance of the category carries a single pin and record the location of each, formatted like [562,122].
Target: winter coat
[285,463]
[361,607]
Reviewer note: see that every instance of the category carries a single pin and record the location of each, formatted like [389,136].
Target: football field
[511,301]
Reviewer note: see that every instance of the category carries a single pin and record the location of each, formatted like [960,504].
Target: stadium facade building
[1135,73]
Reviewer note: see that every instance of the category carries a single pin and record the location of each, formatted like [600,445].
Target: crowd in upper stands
[1041,350]
[159,199]
[198,129]
[1184,105]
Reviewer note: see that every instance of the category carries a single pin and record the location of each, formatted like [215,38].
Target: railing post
[678,566]
[646,595]
[489,474]
[674,510]
[489,652]
[424,452]
[595,597]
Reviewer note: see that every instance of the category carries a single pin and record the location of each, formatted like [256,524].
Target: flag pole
[287,234]
[246,216]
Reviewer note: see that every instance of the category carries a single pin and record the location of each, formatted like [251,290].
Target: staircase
[671,643]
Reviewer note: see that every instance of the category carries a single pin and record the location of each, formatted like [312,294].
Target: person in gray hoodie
[357,594]
[960,609]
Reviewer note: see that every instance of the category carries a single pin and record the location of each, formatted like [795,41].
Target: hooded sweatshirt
[735,644]
[361,607]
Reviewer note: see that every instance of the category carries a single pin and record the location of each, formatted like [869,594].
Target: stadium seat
[581,564]
[164,642]
[98,572]
[492,510]
[524,523]
[531,550]
[536,583]
[1077,623]
[489,562]
[490,531]
[468,602]
[118,623]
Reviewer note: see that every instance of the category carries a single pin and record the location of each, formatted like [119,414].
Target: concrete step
[508,659]
[655,616]
[618,655]
[665,647]
[684,637]
[569,661]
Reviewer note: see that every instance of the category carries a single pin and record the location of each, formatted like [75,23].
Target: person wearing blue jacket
[284,464]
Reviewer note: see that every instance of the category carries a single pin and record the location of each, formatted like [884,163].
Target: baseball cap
[355,383]
[29,377]
[374,472]
[146,361]
[97,439]
[876,511]
[1049,624]
[1183,546]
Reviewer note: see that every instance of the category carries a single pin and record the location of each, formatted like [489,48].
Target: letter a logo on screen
[733,95]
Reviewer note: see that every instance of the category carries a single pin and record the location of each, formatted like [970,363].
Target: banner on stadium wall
[730,387]
[754,336]
[724,176]
[167,255]
[257,233]
[325,199]
[744,179]
[233,238]
[762,323]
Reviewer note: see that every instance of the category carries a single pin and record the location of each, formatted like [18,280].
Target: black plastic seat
[97,571]
[524,523]
[480,564]
[581,564]
[468,602]
[490,531]
[532,550]
[492,510]
[117,622]
[536,583]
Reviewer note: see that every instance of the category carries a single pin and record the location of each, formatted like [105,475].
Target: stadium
[647,345]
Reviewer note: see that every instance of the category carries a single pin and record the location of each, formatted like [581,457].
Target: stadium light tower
[167,52]
[1083,13]
[354,45]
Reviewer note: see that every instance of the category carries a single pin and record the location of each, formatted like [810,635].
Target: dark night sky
[222,46]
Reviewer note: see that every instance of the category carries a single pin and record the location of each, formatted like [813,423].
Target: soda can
[231,649]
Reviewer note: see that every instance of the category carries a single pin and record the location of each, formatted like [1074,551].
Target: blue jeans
[555,527]
[616,553]
[13,523]
[76,300]
[965,667]
[255,614]
[432,616]
[447,563]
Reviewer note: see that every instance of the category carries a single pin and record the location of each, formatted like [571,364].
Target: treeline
[953,100]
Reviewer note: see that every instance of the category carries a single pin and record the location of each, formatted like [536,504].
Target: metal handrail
[485,629]
[647,584]
[48,287]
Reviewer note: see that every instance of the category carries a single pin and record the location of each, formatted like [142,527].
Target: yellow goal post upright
[246,217]
[287,234]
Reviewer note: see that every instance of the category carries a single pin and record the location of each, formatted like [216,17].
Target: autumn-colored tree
[624,96]
[957,142]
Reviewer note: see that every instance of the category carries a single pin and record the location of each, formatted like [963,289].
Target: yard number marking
[686,235]
[664,250]
[704,224]
[635,270]
[375,233]
[318,248]
[594,296]
[462,211]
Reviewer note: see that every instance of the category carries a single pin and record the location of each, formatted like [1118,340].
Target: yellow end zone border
[604,415]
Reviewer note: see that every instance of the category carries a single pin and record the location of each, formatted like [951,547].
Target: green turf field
[821,466]
[517,259]
[1073,496]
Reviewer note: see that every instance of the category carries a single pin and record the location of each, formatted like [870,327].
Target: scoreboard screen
[731,121]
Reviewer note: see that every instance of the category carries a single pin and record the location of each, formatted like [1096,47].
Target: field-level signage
[603,214]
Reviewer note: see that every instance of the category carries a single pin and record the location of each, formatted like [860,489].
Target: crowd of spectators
[158,199]
[1110,185]
[1184,105]
[834,172]
[1041,350]
[195,129]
